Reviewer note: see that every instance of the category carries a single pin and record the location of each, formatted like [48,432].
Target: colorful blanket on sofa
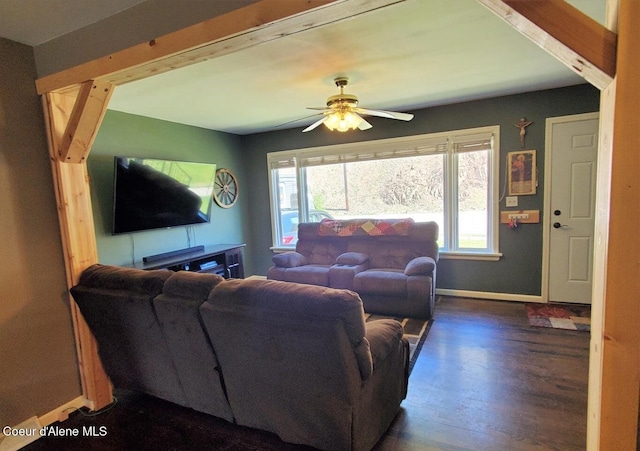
[365,227]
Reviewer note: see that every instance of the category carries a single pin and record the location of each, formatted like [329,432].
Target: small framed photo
[522,172]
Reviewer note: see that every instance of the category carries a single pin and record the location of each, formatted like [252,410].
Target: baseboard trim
[490,295]
[60,413]
[29,427]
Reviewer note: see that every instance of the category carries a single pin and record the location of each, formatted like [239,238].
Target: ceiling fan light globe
[343,126]
[332,121]
[343,121]
[352,120]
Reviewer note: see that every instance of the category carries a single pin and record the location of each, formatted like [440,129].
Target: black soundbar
[156,257]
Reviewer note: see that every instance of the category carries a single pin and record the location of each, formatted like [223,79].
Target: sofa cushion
[420,266]
[311,274]
[352,258]
[321,252]
[386,282]
[177,310]
[296,362]
[191,285]
[270,300]
[117,304]
[118,278]
[341,276]
[393,256]
[425,232]
[289,259]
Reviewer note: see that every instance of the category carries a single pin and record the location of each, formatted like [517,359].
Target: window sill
[281,249]
[485,256]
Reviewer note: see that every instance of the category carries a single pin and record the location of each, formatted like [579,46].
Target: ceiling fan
[342,112]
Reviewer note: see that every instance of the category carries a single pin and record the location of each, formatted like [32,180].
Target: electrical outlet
[512,201]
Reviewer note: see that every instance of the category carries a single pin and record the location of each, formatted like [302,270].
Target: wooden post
[614,374]
[73,117]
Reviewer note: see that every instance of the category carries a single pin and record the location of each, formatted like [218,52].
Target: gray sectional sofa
[296,360]
[390,264]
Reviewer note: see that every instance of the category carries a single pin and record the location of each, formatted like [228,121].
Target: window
[448,177]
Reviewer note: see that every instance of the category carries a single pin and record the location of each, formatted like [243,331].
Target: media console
[222,259]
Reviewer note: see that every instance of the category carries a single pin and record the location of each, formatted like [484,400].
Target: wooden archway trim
[70,116]
[614,386]
[575,39]
[614,366]
[245,27]
[77,117]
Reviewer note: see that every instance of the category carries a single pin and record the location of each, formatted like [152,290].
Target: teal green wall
[519,270]
[130,135]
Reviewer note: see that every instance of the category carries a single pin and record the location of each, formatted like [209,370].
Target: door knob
[557,225]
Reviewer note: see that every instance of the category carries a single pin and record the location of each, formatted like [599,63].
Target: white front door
[572,148]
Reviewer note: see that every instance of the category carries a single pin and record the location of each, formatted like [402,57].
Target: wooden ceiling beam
[582,44]
[245,27]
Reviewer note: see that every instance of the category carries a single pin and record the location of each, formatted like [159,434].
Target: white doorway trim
[546,217]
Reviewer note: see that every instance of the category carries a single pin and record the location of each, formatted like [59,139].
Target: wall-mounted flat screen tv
[153,194]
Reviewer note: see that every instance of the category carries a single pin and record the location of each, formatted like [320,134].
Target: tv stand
[222,259]
[164,255]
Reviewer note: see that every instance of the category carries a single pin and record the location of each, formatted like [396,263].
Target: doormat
[560,316]
[415,331]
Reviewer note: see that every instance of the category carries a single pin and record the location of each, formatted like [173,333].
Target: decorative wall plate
[225,189]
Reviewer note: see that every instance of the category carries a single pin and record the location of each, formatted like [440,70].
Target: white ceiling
[404,57]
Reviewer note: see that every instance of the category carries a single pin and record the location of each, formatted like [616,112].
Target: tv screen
[153,194]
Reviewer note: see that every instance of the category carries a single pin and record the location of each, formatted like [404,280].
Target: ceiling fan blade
[364,125]
[319,108]
[297,120]
[387,114]
[315,124]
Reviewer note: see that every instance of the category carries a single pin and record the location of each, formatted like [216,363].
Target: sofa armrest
[383,336]
[289,259]
[420,266]
[352,258]
[341,276]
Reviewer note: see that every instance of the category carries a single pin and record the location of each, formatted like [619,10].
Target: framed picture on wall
[523,179]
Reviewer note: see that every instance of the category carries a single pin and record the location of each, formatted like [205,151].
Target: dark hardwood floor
[484,380]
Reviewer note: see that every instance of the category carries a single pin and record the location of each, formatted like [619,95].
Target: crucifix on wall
[522,124]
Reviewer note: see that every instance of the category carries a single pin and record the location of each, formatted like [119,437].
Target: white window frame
[396,148]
